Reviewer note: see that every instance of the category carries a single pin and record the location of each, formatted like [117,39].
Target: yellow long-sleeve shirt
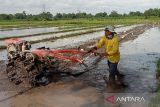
[111,48]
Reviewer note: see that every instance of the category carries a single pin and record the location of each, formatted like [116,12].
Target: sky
[69,6]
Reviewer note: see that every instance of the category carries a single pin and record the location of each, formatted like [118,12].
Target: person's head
[109,32]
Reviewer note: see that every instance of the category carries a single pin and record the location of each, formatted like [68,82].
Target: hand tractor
[38,67]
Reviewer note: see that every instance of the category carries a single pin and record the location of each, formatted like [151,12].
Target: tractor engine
[16,47]
[24,66]
[39,66]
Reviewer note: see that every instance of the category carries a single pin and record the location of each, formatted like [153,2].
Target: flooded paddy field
[41,37]
[46,37]
[77,40]
[138,56]
[22,32]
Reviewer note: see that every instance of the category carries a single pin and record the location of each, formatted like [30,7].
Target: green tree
[58,16]
[6,16]
[20,15]
[137,13]
[104,14]
[46,16]
[114,14]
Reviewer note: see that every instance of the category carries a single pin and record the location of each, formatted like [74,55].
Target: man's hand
[92,49]
[100,54]
[106,54]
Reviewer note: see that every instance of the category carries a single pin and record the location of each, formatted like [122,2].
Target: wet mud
[138,58]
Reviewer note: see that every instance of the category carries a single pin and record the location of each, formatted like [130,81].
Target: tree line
[48,16]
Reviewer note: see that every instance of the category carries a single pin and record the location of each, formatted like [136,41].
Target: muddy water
[41,37]
[31,31]
[124,29]
[72,41]
[137,63]
[138,59]
[12,33]
[3,55]
[55,35]
[61,94]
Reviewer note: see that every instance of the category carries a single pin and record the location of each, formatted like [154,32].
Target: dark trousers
[113,71]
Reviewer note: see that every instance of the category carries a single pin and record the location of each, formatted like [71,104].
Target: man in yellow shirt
[110,41]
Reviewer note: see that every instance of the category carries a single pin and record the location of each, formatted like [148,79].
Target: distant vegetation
[76,23]
[48,16]
[80,19]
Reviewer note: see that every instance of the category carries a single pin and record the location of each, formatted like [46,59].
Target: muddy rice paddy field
[139,47]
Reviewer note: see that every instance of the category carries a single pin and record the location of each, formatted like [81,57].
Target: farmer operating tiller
[110,41]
